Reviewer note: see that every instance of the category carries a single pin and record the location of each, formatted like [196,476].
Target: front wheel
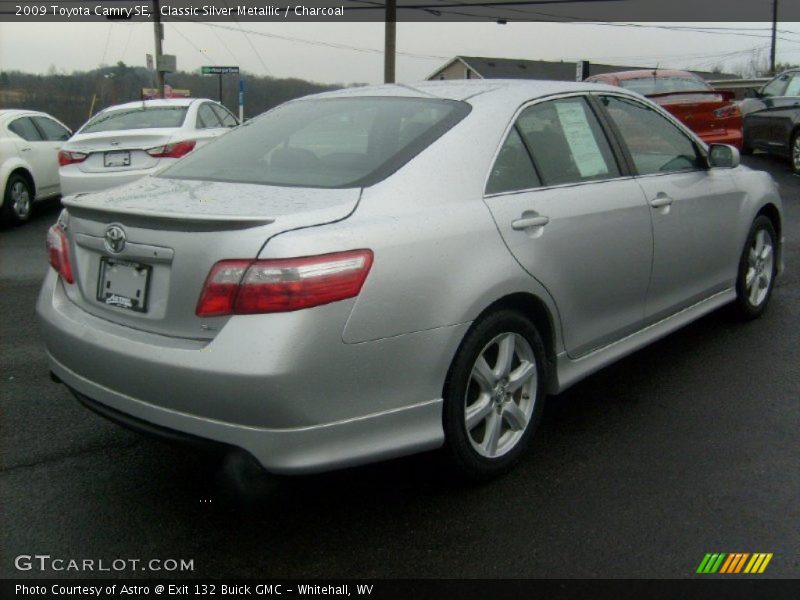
[795,153]
[494,394]
[757,269]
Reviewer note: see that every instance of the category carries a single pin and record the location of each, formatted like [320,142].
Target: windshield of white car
[325,143]
[140,117]
[662,85]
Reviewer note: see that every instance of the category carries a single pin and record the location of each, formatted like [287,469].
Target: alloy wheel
[500,395]
[20,200]
[760,268]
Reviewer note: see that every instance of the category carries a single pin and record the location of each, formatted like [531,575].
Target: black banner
[502,11]
[739,588]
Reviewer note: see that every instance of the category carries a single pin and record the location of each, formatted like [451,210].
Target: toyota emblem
[114,239]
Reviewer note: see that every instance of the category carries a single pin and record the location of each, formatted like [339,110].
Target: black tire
[461,387]
[751,304]
[746,151]
[12,210]
[794,152]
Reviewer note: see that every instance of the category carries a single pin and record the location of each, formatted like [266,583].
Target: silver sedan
[380,271]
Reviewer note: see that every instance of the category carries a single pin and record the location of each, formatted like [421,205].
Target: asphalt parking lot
[687,447]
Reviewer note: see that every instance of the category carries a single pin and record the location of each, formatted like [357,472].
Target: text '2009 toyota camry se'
[380,271]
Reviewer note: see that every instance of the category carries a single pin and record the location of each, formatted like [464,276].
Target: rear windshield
[662,85]
[137,118]
[326,143]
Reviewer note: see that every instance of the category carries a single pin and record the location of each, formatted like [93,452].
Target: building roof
[516,68]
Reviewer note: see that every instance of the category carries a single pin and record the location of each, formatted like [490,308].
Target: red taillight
[58,252]
[284,284]
[65,157]
[732,110]
[175,150]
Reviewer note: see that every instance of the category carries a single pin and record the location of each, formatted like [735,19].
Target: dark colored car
[711,114]
[772,118]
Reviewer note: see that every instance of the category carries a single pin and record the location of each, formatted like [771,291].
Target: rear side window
[793,89]
[25,129]
[144,117]
[53,131]
[655,144]
[207,118]
[566,142]
[776,86]
[513,169]
[227,119]
[327,143]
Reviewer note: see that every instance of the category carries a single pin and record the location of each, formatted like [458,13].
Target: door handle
[661,201]
[25,149]
[527,222]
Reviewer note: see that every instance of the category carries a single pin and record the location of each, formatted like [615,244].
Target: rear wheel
[17,200]
[494,394]
[757,268]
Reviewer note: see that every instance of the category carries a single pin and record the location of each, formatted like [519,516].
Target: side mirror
[723,156]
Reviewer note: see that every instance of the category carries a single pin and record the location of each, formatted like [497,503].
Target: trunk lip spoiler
[72,202]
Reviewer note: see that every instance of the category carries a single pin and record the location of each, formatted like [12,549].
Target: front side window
[776,86]
[53,132]
[327,143]
[25,129]
[566,142]
[655,144]
[793,88]
[140,117]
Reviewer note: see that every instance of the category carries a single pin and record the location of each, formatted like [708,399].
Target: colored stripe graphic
[734,563]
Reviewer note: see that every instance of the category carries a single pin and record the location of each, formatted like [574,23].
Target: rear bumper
[295,398]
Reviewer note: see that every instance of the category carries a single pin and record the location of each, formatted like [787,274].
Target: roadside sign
[166,63]
[208,70]
[169,92]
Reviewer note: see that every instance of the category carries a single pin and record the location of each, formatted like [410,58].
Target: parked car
[125,142]
[375,272]
[711,114]
[772,118]
[29,145]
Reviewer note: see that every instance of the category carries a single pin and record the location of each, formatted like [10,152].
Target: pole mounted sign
[218,70]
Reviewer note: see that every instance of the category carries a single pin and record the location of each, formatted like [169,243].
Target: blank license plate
[123,284]
[121,158]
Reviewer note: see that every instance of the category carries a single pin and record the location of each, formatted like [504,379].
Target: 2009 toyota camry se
[380,271]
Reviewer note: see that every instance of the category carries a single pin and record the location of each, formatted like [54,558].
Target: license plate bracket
[117,158]
[123,284]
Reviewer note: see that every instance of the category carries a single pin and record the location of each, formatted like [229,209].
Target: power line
[192,44]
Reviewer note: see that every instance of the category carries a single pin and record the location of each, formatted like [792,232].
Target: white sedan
[128,141]
[29,145]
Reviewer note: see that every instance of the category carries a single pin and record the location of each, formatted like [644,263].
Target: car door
[208,124]
[33,149]
[769,128]
[574,220]
[694,209]
[54,135]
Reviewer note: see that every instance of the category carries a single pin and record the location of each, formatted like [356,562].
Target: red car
[711,114]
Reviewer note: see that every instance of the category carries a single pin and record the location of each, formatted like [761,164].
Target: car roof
[499,91]
[13,112]
[157,102]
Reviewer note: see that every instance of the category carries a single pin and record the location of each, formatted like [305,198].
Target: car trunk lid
[697,110]
[120,150]
[174,232]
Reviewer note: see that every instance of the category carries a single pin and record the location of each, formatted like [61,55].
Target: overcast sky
[313,51]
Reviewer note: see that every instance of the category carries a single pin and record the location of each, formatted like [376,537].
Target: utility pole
[390,41]
[159,34]
[774,37]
